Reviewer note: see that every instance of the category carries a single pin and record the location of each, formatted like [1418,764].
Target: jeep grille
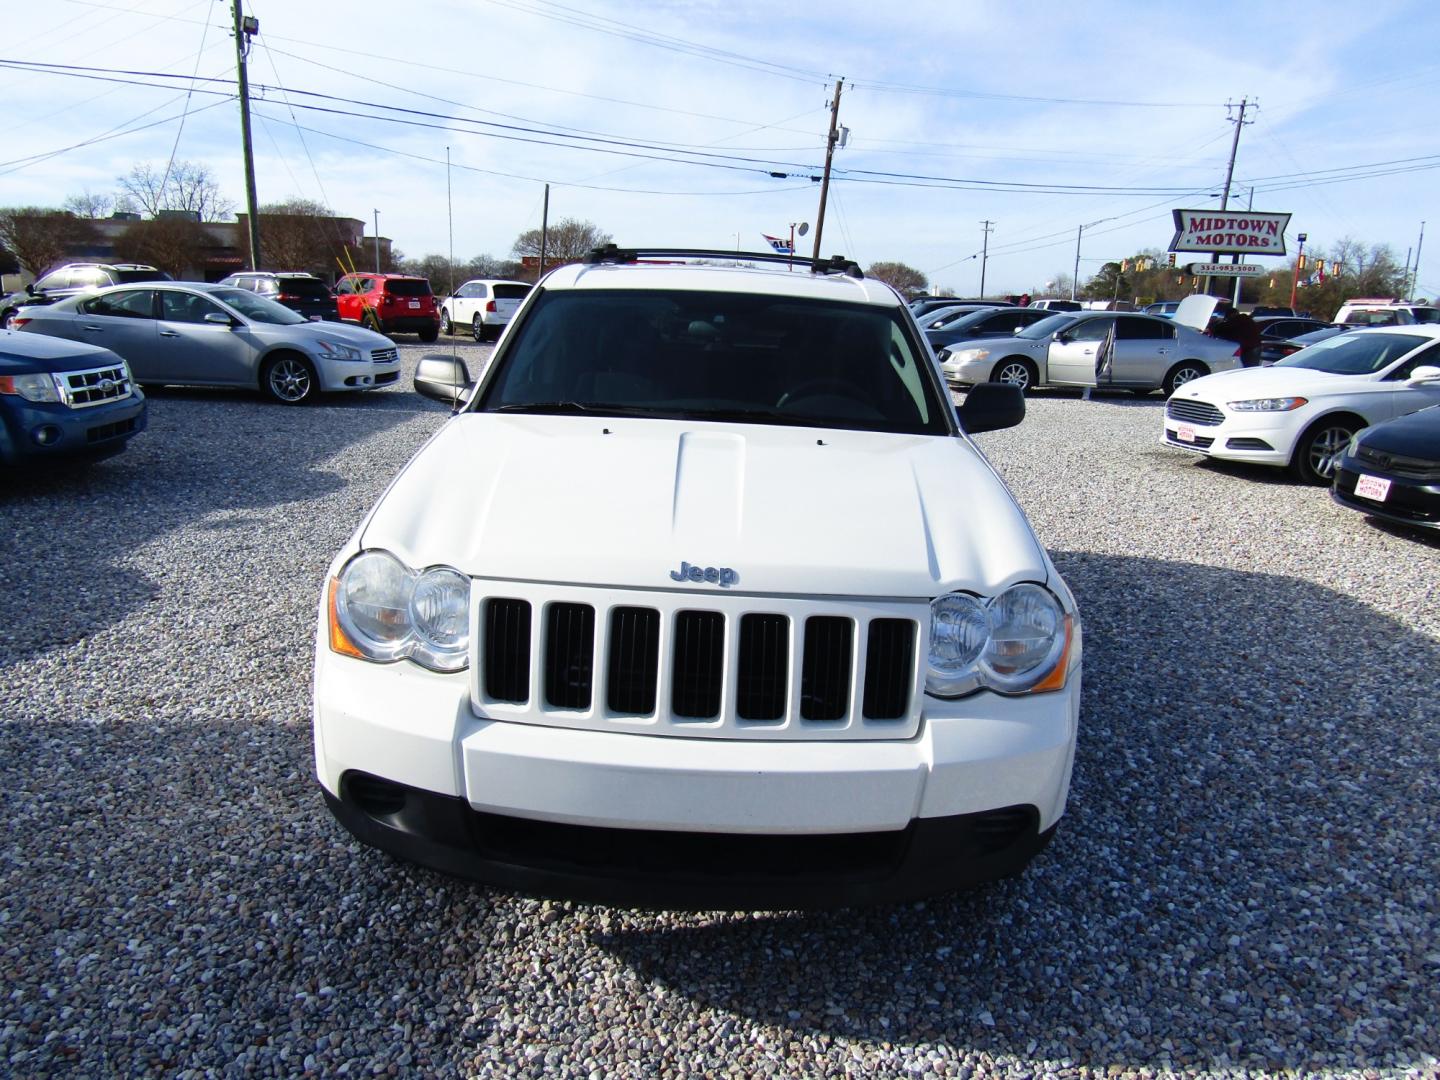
[703,665]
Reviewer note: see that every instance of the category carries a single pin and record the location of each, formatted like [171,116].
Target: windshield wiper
[573,408]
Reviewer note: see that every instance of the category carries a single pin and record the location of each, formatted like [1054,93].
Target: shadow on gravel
[69,528]
[1245,876]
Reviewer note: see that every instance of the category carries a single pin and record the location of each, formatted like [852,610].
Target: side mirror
[442,378]
[219,318]
[30,287]
[991,407]
[1425,373]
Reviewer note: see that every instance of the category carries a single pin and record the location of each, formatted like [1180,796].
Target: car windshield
[1045,327]
[739,357]
[258,308]
[1354,353]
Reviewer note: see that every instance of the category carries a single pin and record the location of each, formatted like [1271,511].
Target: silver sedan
[197,334]
[1063,350]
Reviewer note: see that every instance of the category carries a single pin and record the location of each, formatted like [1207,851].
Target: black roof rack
[836,264]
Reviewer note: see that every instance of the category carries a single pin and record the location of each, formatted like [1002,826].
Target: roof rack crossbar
[835,264]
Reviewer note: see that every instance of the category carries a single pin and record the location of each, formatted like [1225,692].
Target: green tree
[904,279]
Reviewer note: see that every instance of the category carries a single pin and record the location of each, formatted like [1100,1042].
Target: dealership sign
[1224,269]
[1230,232]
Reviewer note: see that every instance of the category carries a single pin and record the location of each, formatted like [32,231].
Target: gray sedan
[214,335]
[1149,354]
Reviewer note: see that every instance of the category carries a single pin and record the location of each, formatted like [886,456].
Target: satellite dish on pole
[803,228]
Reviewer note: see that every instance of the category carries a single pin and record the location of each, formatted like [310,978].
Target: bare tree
[90,205]
[569,241]
[175,245]
[298,234]
[900,277]
[41,237]
[188,186]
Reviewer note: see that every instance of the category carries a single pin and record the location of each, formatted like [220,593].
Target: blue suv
[64,399]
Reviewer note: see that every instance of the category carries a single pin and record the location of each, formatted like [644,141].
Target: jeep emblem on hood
[716,575]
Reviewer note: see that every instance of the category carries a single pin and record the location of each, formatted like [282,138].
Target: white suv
[1384,312]
[704,597]
[482,305]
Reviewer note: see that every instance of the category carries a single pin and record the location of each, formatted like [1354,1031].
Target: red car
[386,303]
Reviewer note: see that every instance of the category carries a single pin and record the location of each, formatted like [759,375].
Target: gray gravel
[1245,882]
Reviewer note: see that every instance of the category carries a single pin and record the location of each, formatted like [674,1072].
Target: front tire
[1016,371]
[1181,374]
[1320,447]
[289,379]
[446,326]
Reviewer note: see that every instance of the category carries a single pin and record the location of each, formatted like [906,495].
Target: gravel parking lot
[1245,880]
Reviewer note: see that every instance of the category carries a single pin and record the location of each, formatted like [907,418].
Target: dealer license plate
[415,304]
[1185,433]
[1372,487]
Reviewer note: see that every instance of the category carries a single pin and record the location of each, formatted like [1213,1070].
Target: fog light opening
[47,435]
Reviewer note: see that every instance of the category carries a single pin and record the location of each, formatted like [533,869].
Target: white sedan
[1302,411]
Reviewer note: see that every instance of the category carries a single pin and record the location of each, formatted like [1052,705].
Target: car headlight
[39,386]
[336,350]
[381,610]
[1267,404]
[966,355]
[1014,643]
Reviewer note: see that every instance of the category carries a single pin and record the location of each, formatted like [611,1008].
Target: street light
[1295,274]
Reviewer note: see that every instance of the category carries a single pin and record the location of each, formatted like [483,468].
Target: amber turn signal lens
[338,641]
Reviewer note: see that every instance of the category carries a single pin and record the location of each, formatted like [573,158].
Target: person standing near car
[1240,328]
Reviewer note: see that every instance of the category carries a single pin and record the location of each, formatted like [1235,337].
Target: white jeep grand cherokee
[703,598]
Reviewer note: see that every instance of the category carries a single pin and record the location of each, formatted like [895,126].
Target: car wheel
[1182,374]
[477,328]
[5,317]
[1320,447]
[1016,371]
[428,335]
[446,326]
[371,321]
[289,379]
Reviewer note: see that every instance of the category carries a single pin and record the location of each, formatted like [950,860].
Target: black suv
[303,293]
[65,281]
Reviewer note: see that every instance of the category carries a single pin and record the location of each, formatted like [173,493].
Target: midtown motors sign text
[1238,232]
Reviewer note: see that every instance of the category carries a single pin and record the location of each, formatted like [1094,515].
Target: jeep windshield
[743,357]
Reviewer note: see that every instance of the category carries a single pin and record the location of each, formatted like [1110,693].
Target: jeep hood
[622,502]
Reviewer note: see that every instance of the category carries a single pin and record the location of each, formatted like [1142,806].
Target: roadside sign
[1230,232]
[1224,269]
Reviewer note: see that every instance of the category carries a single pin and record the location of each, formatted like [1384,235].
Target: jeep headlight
[381,610]
[1267,404]
[1014,643]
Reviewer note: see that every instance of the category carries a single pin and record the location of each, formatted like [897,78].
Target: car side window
[129,304]
[1090,330]
[1143,330]
[186,307]
[1006,321]
[1429,355]
[60,279]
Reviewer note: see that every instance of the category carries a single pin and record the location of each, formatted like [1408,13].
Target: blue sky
[958,112]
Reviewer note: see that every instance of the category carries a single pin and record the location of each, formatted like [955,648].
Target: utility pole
[1075,276]
[377,241]
[245,28]
[1415,273]
[984,253]
[544,232]
[829,155]
[1239,122]
[1235,299]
